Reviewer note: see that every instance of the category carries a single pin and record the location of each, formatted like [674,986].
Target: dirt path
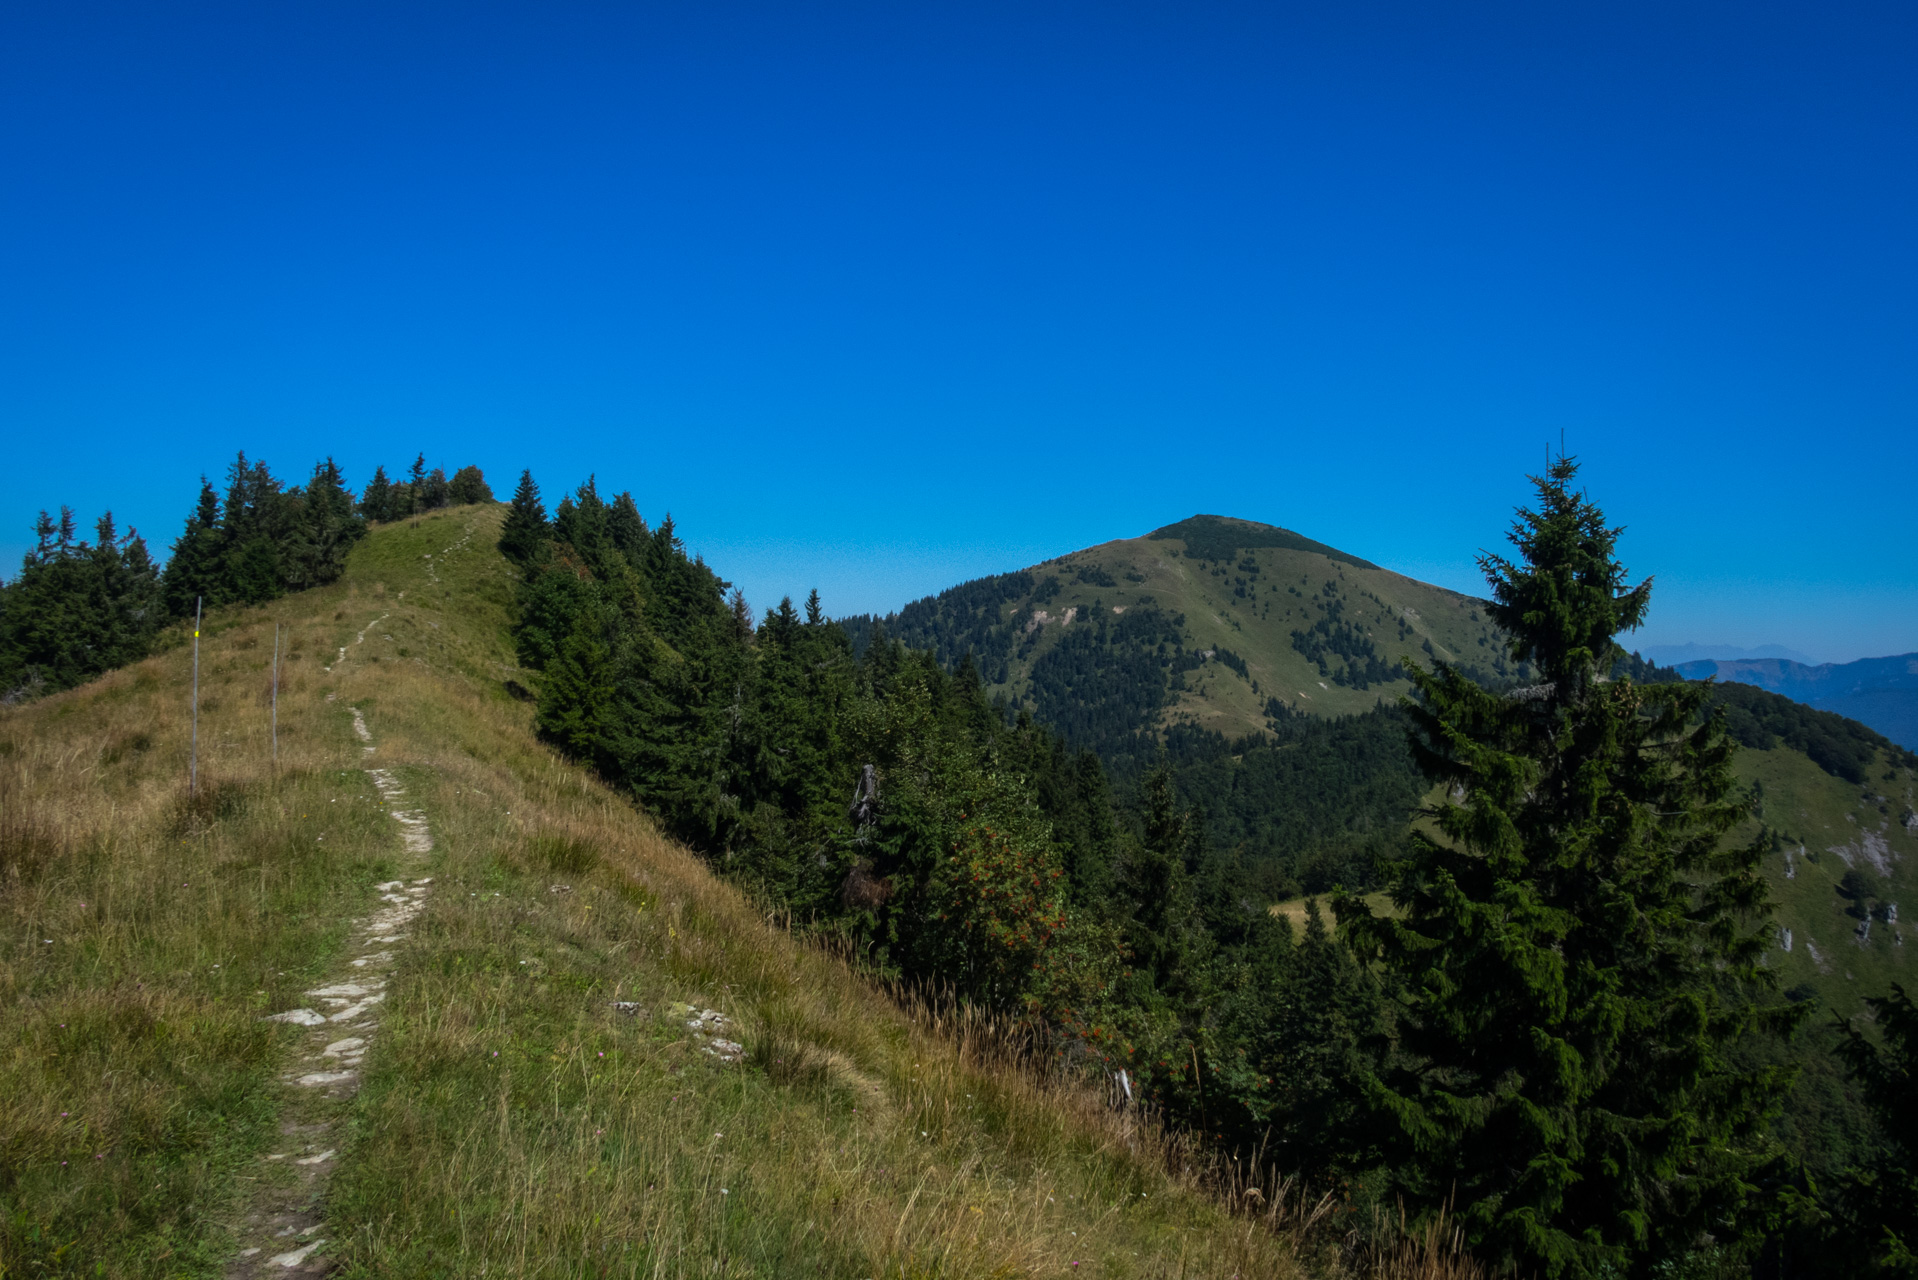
[358,639]
[279,1231]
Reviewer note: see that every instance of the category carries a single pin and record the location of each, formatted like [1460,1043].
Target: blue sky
[876,298]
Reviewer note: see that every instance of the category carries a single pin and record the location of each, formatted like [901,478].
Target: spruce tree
[44,629]
[411,496]
[76,610]
[525,527]
[324,531]
[376,503]
[193,572]
[1324,1030]
[1578,948]
[1875,1228]
[124,607]
[578,692]
[626,529]
[254,529]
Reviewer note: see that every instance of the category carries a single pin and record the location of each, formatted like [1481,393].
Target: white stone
[296,1257]
[353,1011]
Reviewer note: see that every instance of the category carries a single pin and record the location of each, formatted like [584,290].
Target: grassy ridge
[491,1134]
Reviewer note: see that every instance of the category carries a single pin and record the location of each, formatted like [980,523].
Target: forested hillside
[1575,1016]
[973,848]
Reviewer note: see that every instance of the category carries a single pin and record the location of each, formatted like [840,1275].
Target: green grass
[1830,819]
[1294,910]
[142,934]
[858,1137]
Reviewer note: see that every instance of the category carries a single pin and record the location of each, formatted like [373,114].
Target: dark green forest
[1563,1030]
[1560,1029]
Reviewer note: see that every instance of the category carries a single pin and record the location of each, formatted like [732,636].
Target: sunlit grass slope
[535,1103]
[1829,826]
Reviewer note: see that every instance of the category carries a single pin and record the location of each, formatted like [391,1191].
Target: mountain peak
[1209,537]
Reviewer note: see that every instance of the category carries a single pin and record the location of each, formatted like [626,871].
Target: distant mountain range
[1671,655]
[1880,692]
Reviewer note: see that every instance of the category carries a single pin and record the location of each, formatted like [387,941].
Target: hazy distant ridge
[1671,655]
[1880,692]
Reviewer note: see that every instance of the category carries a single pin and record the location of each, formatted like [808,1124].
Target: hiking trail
[279,1230]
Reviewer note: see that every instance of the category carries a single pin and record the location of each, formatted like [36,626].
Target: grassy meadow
[535,1102]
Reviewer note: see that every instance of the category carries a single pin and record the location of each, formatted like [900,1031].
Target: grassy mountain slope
[510,1119]
[1829,826]
[1194,624]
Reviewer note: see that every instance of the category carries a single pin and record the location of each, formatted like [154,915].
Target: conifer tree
[626,529]
[1577,951]
[325,529]
[468,486]
[578,693]
[583,522]
[525,527]
[376,503]
[253,532]
[411,496]
[1311,1037]
[124,609]
[1875,1229]
[193,571]
[75,610]
[1154,887]
[435,490]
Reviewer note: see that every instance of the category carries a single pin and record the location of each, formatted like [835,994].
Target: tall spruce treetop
[326,530]
[194,571]
[1578,947]
[1567,598]
[411,497]
[525,527]
[376,500]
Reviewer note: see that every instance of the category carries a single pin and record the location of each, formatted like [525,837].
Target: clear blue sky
[881,297]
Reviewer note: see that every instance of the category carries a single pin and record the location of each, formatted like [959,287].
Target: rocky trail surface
[280,1228]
